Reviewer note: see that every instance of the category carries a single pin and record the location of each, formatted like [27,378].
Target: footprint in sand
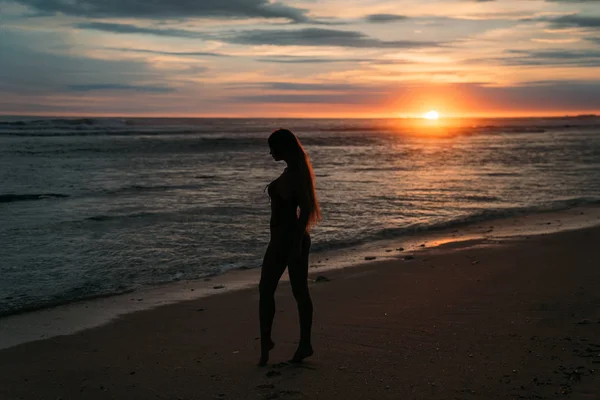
[266,386]
[285,394]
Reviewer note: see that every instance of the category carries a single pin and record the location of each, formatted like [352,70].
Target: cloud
[172,9]
[316,87]
[341,98]
[135,29]
[309,60]
[547,95]
[318,93]
[318,37]
[555,1]
[119,87]
[573,1]
[275,37]
[548,58]
[33,68]
[572,55]
[169,53]
[573,20]
[380,18]
[530,96]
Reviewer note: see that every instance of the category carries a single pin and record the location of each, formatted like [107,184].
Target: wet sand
[487,319]
[86,314]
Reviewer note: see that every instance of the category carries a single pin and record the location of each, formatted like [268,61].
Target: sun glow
[432,115]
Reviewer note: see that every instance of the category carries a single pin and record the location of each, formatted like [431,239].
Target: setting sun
[431,115]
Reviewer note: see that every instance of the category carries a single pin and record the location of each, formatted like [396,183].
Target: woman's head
[284,145]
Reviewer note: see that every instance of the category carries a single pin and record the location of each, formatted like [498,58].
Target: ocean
[100,206]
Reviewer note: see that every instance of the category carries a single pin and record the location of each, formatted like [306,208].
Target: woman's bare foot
[265,348]
[303,351]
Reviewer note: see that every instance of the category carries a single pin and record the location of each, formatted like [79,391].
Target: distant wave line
[482,216]
[9,198]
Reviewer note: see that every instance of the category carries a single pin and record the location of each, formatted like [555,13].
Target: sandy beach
[517,318]
[162,161]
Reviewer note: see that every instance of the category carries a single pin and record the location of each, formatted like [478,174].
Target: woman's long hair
[284,141]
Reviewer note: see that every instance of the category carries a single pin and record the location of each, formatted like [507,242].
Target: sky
[299,58]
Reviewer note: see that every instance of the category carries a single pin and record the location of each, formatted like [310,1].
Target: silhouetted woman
[294,209]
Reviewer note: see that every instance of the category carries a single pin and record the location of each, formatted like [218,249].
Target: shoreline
[513,319]
[86,314]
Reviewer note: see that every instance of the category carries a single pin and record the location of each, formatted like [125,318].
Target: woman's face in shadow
[277,156]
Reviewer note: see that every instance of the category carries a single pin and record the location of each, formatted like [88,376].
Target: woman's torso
[284,206]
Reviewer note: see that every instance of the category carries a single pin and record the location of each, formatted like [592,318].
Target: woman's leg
[298,270]
[272,269]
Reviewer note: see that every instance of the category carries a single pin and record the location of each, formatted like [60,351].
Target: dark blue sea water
[92,207]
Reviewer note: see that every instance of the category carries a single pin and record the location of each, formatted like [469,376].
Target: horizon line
[191,116]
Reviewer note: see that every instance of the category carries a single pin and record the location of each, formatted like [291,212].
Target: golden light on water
[431,115]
